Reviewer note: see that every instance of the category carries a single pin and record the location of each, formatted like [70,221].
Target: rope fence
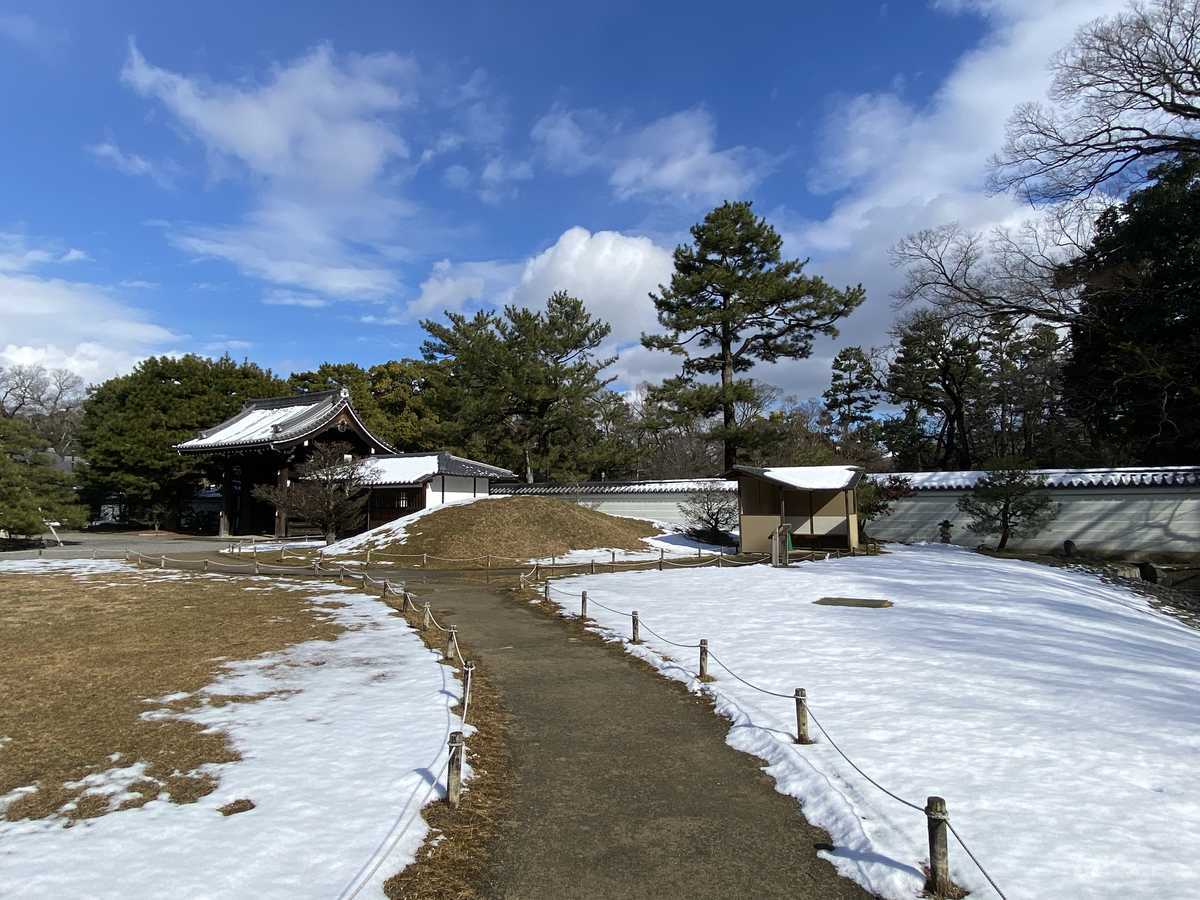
[937,817]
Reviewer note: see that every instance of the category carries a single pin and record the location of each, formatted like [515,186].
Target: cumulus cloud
[453,286]
[316,143]
[674,157]
[613,273]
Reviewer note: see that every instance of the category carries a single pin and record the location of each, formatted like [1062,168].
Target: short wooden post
[206,565]
[546,591]
[41,551]
[368,556]
[703,659]
[699,553]
[637,637]
[256,566]
[427,618]
[468,677]
[424,560]
[454,773]
[93,553]
[583,605]
[341,574]
[938,884]
[162,562]
[802,717]
[721,560]
[138,560]
[553,559]
[660,559]
[536,569]
[451,643]
[614,556]
[593,566]
[489,560]
[317,566]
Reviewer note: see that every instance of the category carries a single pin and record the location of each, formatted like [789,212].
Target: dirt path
[624,786]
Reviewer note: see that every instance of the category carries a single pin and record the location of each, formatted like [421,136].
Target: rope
[978,864]
[748,684]
[646,627]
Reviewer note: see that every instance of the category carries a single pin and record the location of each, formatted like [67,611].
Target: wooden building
[264,442]
[815,505]
[402,483]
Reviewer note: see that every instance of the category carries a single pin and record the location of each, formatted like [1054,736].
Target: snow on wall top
[807,478]
[667,486]
[1138,476]
[275,420]
[413,468]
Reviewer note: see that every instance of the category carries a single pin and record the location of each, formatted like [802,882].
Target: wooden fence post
[593,562]
[802,717]
[536,569]
[703,659]
[553,560]
[546,591]
[256,566]
[614,556]
[454,772]
[451,644]
[489,560]
[427,619]
[939,851]
[206,565]
[162,562]
[583,605]
[468,677]
[424,560]
[637,638]
[660,559]
[368,556]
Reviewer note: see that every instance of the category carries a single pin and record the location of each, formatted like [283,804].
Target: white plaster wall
[457,487]
[656,507]
[1107,521]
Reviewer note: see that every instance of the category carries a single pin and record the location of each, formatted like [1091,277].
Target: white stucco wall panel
[1160,521]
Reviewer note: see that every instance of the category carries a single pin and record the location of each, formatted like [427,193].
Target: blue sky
[297,183]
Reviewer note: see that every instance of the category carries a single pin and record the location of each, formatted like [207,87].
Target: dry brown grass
[458,865]
[519,527]
[80,656]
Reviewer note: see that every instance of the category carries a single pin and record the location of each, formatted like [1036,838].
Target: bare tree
[1014,273]
[1125,94]
[328,491]
[710,514]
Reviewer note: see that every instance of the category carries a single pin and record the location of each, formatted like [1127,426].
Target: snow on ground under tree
[1058,715]
[348,748]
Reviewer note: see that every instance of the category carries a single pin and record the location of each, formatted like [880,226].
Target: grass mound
[520,527]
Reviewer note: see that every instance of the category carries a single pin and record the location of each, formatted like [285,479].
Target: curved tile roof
[276,420]
[1130,477]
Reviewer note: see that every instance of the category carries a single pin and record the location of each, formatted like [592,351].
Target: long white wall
[1118,521]
[448,488]
[656,507]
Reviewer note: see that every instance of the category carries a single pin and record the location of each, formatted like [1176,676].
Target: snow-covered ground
[1058,715]
[338,764]
[671,544]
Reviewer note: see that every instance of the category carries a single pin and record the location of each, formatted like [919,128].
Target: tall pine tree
[734,301]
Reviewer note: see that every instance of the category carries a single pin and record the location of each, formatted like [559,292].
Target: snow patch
[1050,709]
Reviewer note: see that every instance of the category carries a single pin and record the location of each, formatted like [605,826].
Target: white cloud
[894,165]
[499,177]
[674,157]
[138,284]
[17,256]
[132,164]
[611,272]
[452,286]
[293,298]
[457,176]
[317,145]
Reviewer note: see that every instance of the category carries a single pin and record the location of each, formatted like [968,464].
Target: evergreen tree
[1009,501]
[404,390]
[1132,374]
[130,424]
[851,398]
[733,294]
[32,491]
[522,386]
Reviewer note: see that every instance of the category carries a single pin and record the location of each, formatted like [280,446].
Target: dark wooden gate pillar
[225,524]
[281,480]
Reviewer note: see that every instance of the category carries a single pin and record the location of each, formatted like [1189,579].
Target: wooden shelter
[265,441]
[815,506]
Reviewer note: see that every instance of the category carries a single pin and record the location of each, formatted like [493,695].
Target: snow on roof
[414,468]
[665,486]
[806,478]
[1136,476]
[276,420]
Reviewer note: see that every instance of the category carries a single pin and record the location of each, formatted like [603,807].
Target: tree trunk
[727,411]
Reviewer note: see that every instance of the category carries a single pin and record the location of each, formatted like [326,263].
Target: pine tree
[32,491]
[1008,501]
[734,295]
[852,394]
